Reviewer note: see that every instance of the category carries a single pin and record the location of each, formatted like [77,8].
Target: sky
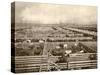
[54,13]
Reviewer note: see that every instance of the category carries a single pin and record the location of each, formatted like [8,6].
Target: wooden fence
[34,63]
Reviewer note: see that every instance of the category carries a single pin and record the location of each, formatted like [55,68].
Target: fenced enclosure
[40,63]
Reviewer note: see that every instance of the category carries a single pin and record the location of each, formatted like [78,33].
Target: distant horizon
[54,25]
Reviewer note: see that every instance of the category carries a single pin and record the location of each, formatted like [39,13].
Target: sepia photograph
[49,37]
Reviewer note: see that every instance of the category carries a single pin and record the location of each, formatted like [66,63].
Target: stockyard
[49,37]
[53,48]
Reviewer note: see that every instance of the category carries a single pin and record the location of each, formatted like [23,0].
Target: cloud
[50,13]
